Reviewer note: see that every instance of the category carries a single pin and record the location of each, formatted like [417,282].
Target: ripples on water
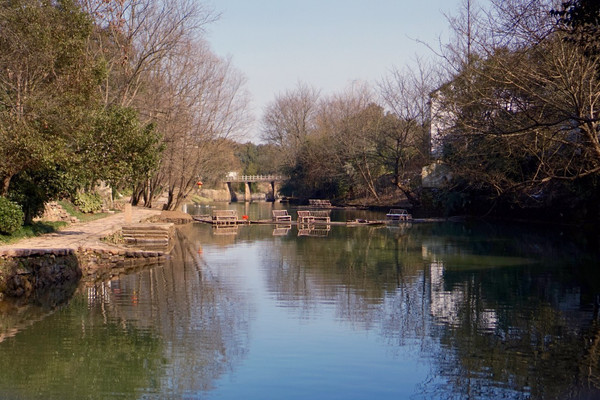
[452,311]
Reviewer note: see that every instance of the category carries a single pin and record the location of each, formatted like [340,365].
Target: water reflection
[314,230]
[225,230]
[497,317]
[159,333]
[422,311]
[281,230]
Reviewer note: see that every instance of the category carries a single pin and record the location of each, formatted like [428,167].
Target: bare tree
[158,63]
[349,119]
[526,113]
[468,35]
[134,36]
[203,103]
[290,119]
[403,144]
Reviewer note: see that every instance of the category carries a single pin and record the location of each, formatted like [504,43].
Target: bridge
[247,180]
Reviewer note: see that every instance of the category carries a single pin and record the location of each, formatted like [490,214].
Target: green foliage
[88,202]
[32,189]
[200,200]
[454,203]
[119,148]
[32,230]
[145,151]
[11,216]
[308,181]
[75,212]
[114,238]
[46,84]
[261,159]
[580,19]
[580,14]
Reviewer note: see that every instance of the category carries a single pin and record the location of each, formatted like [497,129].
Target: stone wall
[24,272]
[100,264]
[55,212]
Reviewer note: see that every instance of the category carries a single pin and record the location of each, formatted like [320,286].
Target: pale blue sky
[324,43]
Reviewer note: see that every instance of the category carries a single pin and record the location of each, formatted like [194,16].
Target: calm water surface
[421,311]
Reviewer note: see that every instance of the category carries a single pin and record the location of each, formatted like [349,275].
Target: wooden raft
[281,216]
[224,217]
[398,214]
[313,217]
[319,203]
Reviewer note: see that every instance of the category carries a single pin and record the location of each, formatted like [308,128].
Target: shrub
[11,216]
[88,202]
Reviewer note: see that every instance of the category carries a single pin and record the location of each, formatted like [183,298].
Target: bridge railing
[254,178]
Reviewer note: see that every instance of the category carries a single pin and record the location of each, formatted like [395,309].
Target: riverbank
[74,252]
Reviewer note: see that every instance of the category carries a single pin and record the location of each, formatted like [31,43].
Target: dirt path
[82,234]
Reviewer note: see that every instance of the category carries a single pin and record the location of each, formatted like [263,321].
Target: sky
[327,44]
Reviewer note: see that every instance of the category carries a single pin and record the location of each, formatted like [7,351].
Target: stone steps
[148,233]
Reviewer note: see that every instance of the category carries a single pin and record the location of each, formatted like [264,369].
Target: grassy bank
[83,217]
[43,227]
[35,229]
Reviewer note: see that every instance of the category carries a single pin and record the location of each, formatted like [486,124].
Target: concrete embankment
[71,254]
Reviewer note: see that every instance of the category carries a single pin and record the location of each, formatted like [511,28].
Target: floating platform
[358,222]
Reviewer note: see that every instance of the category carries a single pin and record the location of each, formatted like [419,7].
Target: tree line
[513,103]
[129,92]
[523,102]
[122,91]
[357,144]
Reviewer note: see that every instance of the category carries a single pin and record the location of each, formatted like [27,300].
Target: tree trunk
[180,199]
[145,195]
[136,194]
[28,217]
[5,185]
[153,190]
[169,203]
[367,178]
[414,200]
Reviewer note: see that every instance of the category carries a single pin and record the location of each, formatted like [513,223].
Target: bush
[11,216]
[88,202]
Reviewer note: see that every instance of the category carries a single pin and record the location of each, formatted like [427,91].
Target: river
[409,311]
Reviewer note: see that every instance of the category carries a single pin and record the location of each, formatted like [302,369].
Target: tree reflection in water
[165,331]
[492,312]
[505,317]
